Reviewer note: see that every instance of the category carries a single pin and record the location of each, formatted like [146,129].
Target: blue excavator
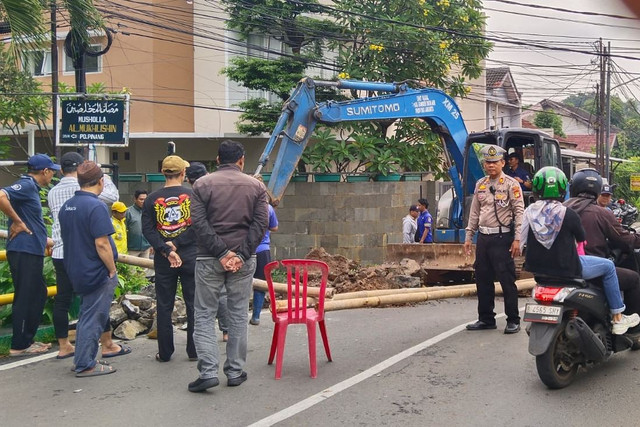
[301,113]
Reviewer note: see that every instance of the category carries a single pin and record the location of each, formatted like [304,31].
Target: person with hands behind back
[496,214]
[230,217]
[167,226]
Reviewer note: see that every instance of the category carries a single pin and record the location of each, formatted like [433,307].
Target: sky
[541,73]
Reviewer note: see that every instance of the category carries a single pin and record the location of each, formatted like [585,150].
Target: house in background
[504,102]
[169,54]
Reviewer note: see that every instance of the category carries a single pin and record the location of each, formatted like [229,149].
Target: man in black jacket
[604,233]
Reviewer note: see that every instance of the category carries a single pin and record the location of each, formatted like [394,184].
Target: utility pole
[608,133]
[601,103]
[54,75]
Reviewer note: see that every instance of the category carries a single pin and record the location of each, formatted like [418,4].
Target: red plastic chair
[297,312]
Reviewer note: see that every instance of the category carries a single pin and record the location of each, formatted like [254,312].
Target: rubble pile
[347,275]
[132,315]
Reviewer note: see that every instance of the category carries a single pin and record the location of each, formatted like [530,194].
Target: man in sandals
[89,260]
[25,252]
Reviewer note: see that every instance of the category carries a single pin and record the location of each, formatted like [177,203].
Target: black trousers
[493,261]
[629,282]
[166,286]
[62,302]
[30,296]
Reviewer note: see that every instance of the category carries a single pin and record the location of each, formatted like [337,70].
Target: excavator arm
[301,113]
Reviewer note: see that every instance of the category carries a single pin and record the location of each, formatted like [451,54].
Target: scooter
[570,328]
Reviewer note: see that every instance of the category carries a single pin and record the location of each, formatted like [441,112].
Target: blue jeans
[592,267]
[211,278]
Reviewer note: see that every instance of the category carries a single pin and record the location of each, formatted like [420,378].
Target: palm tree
[26,20]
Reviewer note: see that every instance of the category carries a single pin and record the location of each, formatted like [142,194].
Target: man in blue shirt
[517,172]
[25,252]
[89,260]
[425,223]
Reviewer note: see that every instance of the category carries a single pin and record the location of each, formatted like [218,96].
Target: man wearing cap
[118,210]
[166,224]
[25,252]
[230,217]
[604,199]
[58,195]
[496,214]
[517,172]
[90,262]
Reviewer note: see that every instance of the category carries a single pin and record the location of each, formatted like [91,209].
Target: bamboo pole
[281,288]
[412,297]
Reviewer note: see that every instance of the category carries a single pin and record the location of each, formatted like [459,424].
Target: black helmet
[586,181]
[550,183]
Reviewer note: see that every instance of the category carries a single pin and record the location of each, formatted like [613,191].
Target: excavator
[301,113]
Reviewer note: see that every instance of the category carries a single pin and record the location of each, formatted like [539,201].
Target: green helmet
[550,183]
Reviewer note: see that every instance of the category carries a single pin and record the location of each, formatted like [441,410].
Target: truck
[301,113]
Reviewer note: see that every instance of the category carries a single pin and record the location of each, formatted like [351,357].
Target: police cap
[492,153]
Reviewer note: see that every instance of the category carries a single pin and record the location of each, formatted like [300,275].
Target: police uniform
[496,214]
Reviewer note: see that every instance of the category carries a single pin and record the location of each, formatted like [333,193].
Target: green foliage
[549,119]
[623,183]
[130,279]
[371,43]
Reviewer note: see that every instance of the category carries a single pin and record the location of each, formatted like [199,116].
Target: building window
[92,64]
[37,62]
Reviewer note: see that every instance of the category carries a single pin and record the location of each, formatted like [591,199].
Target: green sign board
[99,122]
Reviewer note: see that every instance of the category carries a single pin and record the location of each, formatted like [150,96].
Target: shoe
[512,328]
[479,326]
[254,322]
[200,384]
[234,382]
[621,326]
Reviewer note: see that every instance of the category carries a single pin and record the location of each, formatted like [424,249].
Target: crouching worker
[550,230]
[90,262]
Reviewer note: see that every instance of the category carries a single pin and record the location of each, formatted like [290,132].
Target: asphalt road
[410,366]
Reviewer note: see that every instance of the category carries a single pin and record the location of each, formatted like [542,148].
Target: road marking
[28,361]
[349,382]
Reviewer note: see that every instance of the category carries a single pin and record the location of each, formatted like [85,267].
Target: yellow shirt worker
[118,210]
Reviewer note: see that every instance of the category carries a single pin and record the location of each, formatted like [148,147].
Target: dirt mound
[347,275]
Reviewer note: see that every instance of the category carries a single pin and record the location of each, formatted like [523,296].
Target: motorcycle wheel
[556,366]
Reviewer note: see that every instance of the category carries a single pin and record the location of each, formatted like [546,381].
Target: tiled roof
[587,143]
[495,76]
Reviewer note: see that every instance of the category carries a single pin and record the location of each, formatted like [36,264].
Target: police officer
[496,213]
[517,172]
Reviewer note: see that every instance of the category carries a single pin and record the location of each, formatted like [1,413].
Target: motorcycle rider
[551,231]
[604,199]
[604,233]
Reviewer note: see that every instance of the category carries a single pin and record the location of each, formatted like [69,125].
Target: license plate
[542,313]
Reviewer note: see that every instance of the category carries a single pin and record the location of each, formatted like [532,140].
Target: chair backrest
[297,284]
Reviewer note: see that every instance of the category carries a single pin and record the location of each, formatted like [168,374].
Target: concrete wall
[355,219]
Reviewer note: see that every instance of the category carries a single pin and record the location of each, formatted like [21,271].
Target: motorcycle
[570,328]
[624,212]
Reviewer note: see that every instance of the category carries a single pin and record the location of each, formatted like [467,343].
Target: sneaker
[254,322]
[625,323]
[200,384]
[234,382]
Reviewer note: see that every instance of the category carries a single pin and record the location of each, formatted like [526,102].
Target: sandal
[29,351]
[98,369]
[159,359]
[123,350]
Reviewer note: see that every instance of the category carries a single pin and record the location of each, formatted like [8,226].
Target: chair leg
[274,342]
[282,334]
[325,340]
[311,334]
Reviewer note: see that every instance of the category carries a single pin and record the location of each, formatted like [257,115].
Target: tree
[548,119]
[427,43]
[16,111]
[28,27]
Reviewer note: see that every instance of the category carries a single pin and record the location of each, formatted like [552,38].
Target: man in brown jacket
[230,218]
